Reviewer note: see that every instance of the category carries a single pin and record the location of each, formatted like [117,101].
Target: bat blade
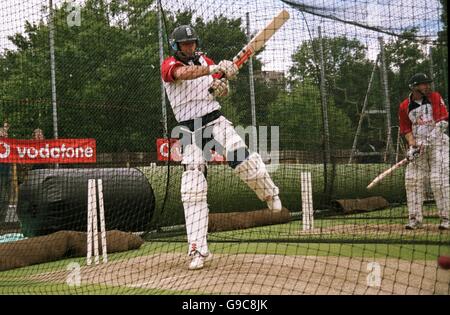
[387,172]
[261,38]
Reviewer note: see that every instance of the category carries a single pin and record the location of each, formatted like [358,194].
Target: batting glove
[231,70]
[219,87]
[213,69]
[413,153]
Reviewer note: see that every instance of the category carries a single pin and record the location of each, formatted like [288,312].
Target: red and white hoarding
[163,144]
[62,151]
[162,147]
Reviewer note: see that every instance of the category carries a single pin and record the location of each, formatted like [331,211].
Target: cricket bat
[259,40]
[387,172]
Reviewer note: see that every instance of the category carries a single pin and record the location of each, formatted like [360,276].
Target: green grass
[236,240]
[375,229]
[285,240]
[146,249]
[368,251]
[47,288]
[15,281]
[394,251]
[228,193]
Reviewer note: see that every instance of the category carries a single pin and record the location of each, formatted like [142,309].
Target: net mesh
[116,134]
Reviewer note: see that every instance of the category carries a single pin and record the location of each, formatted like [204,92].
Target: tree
[443,33]
[404,57]
[346,68]
[104,72]
[108,74]
[299,115]
[440,54]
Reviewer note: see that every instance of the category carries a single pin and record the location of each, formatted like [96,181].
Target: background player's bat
[380,177]
[259,40]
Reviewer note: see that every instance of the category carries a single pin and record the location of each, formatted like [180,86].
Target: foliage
[346,66]
[108,79]
[300,112]
[107,74]
[347,72]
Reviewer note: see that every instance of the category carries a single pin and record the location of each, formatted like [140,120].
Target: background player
[423,121]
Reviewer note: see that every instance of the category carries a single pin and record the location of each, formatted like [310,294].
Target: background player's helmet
[418,78]
[183,33]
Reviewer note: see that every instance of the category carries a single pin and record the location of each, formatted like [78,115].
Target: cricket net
[100,193]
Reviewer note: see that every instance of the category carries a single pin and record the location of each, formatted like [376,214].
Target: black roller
[52,200]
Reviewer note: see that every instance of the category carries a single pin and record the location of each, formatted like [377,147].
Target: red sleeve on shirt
[210,62]
[405,122]
[167,68]
[439,109]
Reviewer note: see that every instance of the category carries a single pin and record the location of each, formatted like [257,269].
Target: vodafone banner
[62,151]
[162,145]
[175,154]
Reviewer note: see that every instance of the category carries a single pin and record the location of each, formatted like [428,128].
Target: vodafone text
[55,152]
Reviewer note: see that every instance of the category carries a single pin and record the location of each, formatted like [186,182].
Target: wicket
[307,201]
[92,223]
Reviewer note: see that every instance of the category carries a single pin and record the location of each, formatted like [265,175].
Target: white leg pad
[225,134]
[193,156]
[414,178]
[253,171]
[194,197]
[439,179]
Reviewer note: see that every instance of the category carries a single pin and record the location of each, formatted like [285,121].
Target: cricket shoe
[274,204]
[198,261]
[445,225]
[413,225]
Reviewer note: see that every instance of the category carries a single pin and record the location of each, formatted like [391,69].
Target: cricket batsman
[189,77]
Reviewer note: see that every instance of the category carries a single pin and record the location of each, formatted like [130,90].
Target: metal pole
[384,80]
[324,101]
[161,59]
[427,183]
[397,152]
[363,112]
[252,85]
[444,58]
[328,180]
[52,69]
[430,56]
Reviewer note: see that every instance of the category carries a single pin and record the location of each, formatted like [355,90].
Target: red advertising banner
[162,146]
[63,151]
[175,155]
